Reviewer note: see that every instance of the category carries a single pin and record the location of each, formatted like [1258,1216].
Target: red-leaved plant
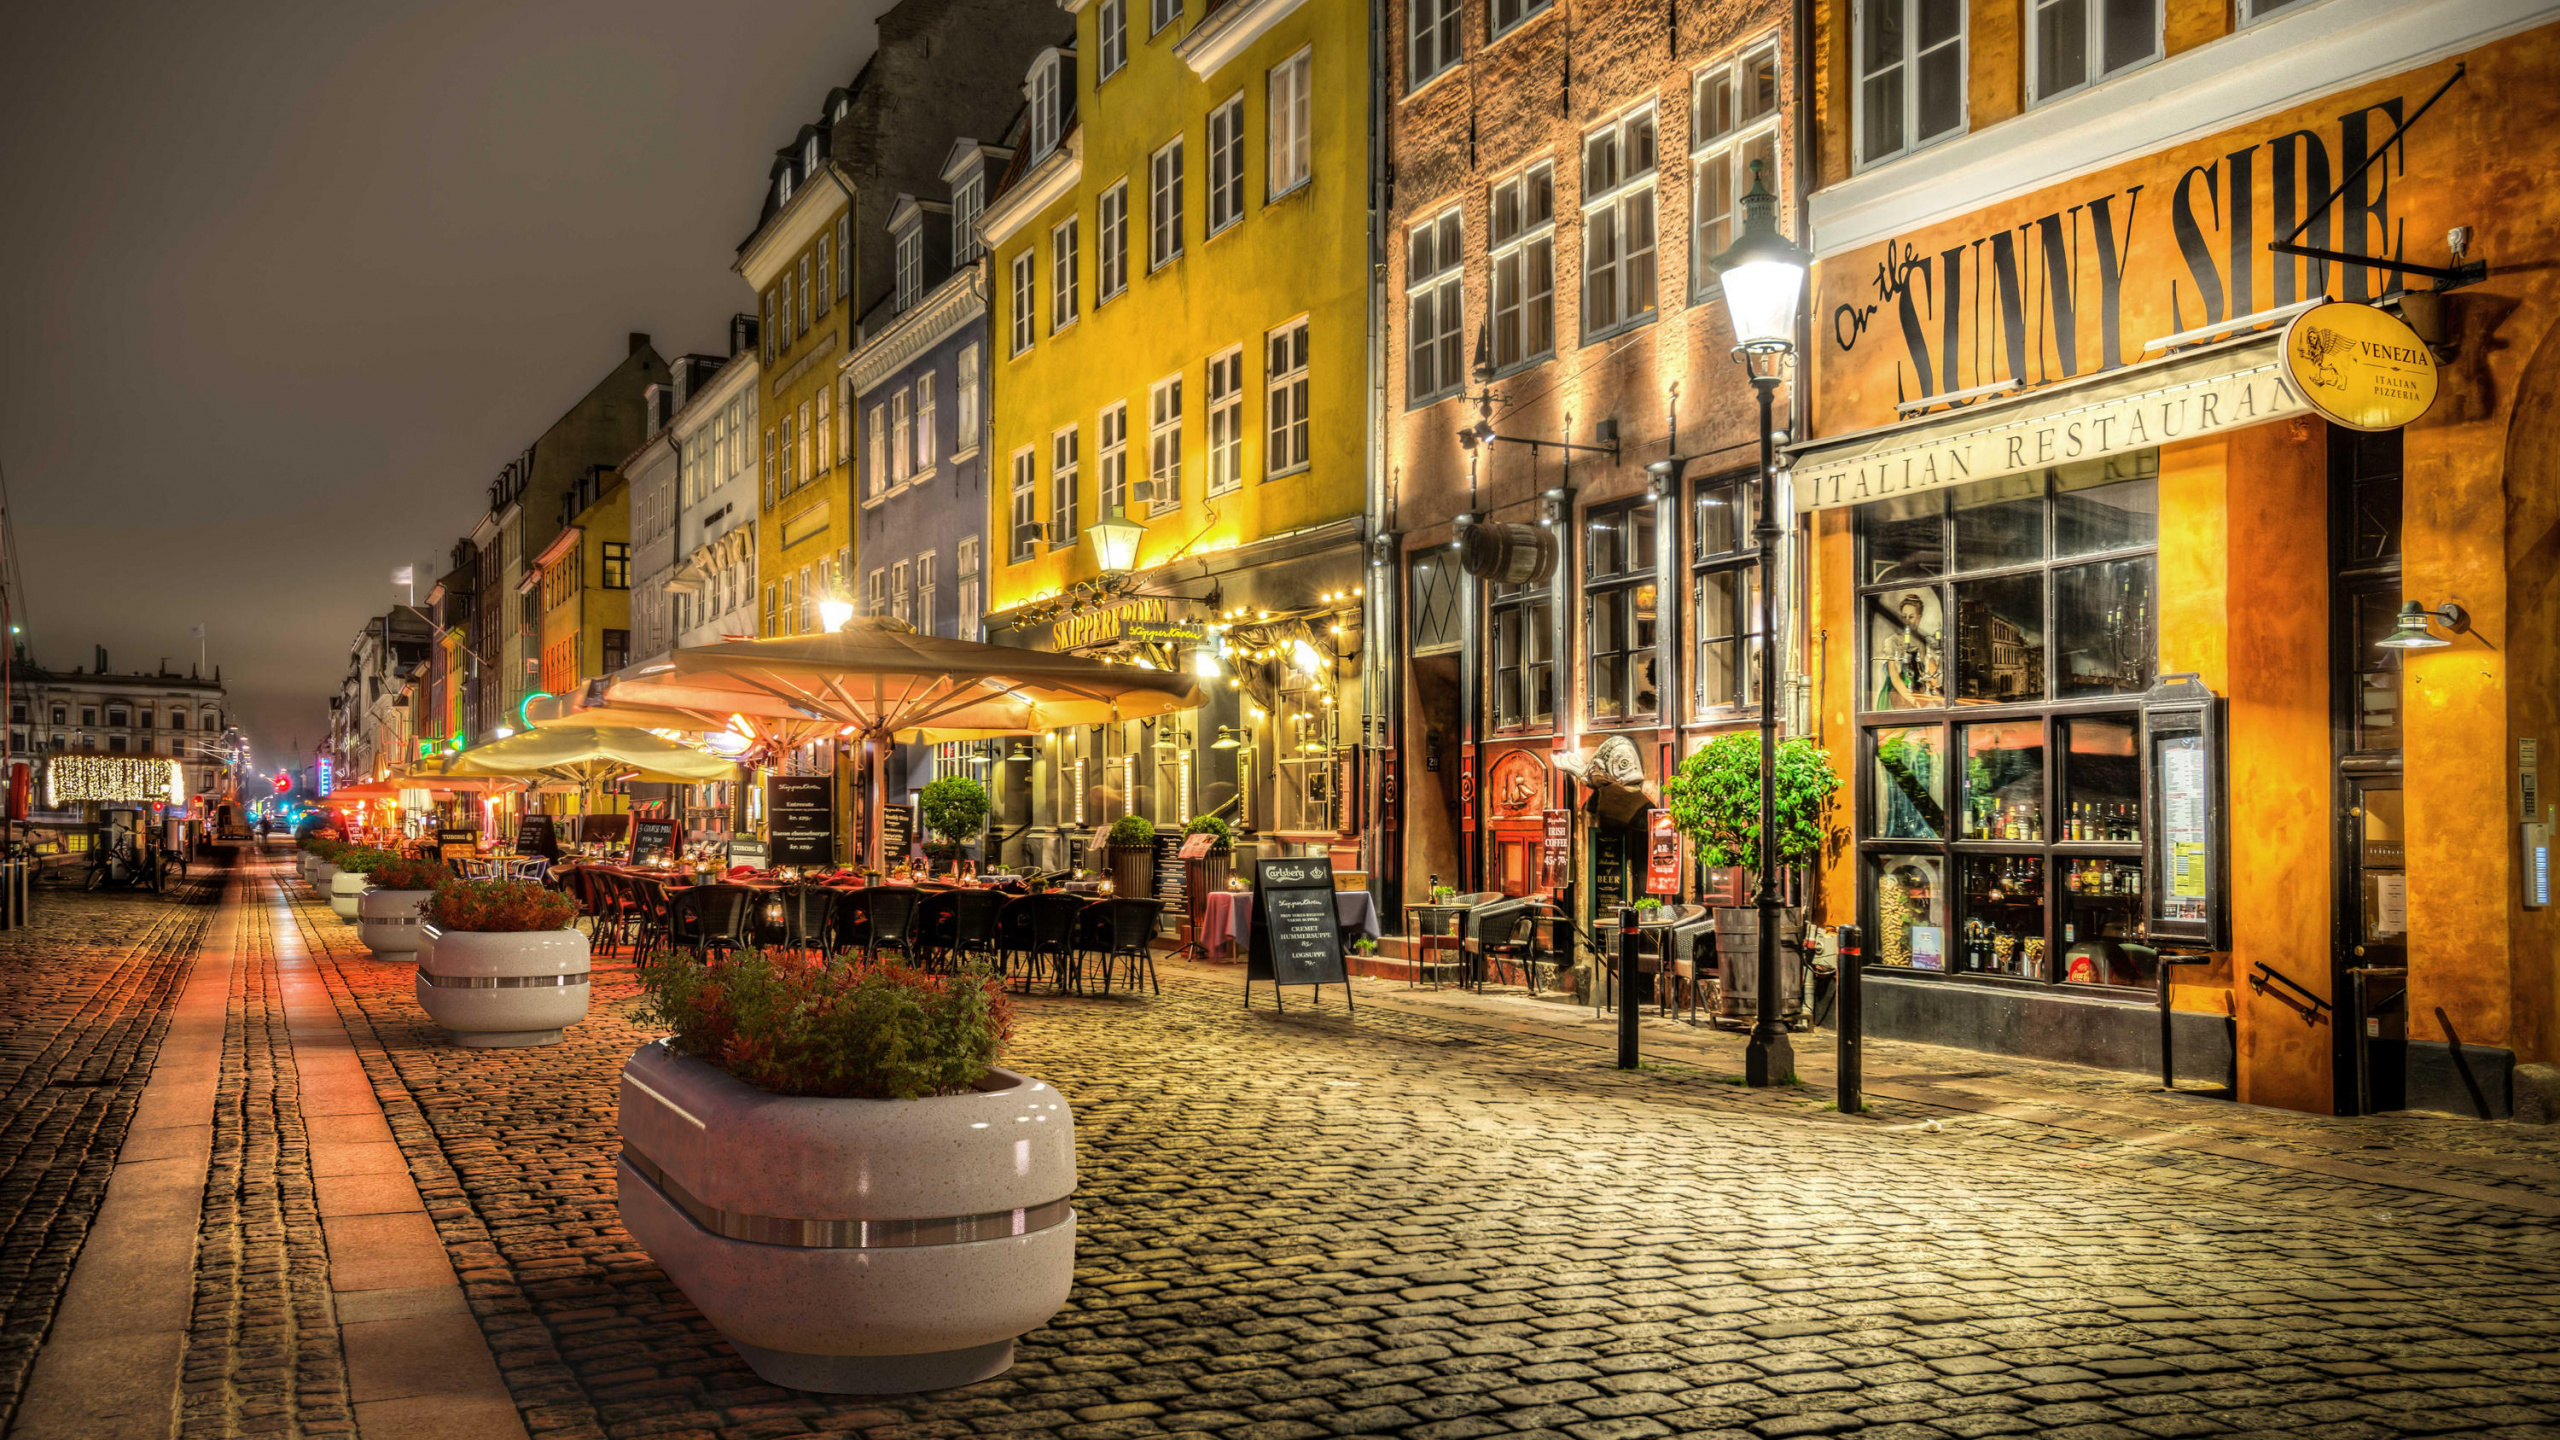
[501,907]
[797,1026]
[404,873]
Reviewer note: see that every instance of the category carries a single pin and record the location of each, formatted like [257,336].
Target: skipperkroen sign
[2039,438]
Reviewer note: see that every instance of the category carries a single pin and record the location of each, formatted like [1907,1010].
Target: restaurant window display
[2007,632]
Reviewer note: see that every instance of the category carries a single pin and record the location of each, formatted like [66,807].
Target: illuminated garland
[71,779]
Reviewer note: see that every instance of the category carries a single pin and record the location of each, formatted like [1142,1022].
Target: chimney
[639,341]
[102,659]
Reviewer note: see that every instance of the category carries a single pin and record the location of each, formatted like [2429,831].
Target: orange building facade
[2055,458]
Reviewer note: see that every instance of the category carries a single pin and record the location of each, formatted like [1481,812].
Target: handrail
[2309,1006]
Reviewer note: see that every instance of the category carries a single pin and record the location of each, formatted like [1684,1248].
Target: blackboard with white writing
[801,819]
[897,833]
[534,836]
[652,837]
[1297,938]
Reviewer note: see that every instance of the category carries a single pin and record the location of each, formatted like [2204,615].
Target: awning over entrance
[2221,387]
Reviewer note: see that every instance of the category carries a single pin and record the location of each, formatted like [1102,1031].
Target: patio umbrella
[878,679]
[586,756]
[639,705]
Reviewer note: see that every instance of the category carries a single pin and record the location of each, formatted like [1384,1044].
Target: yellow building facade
[1178,329]
[800,262]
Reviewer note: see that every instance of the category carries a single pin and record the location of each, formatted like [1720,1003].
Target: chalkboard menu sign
[1296,939]
[534,836]
[651,838]
[801,818]
[1608,869]
[897,831]
[1169,871]
[457,843]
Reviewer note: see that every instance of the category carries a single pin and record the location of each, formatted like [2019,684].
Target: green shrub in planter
[1212,825]
[1714,798]
[954,807]
[1133,832]
[801,1027]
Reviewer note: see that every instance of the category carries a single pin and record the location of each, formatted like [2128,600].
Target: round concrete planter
[345,889]
[388,921]
[857,1247]
[493,990]
[322,874]
[302,862]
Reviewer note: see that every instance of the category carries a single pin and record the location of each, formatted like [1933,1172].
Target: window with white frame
[1292,124]
[1435,308]
[875,591]
[808,451]
[1285,400]
[900,599]
[1164,205]
[1164,445]
[927,442]
[965,418]
[809,155]
[844,424]
[1065,447]
[1505,14]
[1910,67]
[782,187]
[1025,282]
[967,199]
[1618,287]
[826,274]
[1026,498]
[910,249]
[2252,11]
[808,603]
[1226,421]
[826,430]
[1111,443]
[924,591]
[967,557]
[1048,100]
[1226,165]
[844,257]
[1435,40]
[1733,124]
[1111,39]
[902,436]
[1523,254]
[805,295]
[879,448]
[1111,237]
[1062,276]
[1161,13]
[2073,44]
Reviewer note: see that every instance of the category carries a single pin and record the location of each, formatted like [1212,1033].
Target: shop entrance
[2369,925]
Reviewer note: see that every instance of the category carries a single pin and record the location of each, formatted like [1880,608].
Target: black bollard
[1848,1014]
[1627,967]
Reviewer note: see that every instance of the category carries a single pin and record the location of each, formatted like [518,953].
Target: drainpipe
[1382,688]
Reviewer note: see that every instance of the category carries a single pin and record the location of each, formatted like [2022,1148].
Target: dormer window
[843,108]
[967,199]
[809,156]
[910,244]
[782,187]
[1049,80]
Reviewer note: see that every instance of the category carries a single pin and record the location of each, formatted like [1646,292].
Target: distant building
[373,718]
[712,588]
[183,717]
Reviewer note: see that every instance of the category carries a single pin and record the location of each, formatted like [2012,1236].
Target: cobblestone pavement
[1444,1224]
[85,993]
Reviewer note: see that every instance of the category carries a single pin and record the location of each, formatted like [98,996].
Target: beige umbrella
[879,679]
[588,755]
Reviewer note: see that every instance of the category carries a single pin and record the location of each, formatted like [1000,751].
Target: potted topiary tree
[1133,855]
[347,886]
[1714,798]
[501,964]
[1219,863]
[828,1162]
[954,808]
[394,905]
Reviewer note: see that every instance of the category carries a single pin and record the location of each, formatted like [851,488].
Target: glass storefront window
[1910,783]
[2102,782]
[1910,898]
[1999,523]
[1905,539]
[2377,681]
[2003,917]
[2101,935]
[2110,504]
[1303,733]
[2102,625]
[2004,781]
[2000,641]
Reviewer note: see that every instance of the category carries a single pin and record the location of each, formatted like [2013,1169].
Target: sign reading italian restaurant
[2073,281]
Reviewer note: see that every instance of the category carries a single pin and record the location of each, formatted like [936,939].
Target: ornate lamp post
[1763,278]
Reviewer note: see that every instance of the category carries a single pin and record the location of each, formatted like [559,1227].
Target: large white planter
[859,1247]
[388,921]
[323,875]
[303,860]
[345,889]
[499,990]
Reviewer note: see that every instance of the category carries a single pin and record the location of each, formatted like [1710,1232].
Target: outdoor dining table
[1226,917]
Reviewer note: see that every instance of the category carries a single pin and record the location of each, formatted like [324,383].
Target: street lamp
[1763,281]
[1115,542]
[833,612]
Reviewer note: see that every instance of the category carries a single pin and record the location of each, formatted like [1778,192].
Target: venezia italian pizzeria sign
[2058,292]
[2362,368]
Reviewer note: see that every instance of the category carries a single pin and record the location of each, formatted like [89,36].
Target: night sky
[283,286]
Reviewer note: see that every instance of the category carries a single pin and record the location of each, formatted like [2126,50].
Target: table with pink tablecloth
[1226,918]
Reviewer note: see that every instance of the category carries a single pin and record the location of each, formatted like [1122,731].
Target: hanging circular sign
[2361,367]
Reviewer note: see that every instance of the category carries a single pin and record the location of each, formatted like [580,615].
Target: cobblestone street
[1446,1217]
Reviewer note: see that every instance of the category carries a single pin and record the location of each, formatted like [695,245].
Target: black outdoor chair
[1054,918]
[1129,931]
[893,917]
[851,928]
[1015,923]
[974,927]
[937,918]
[1093,941]
[806,912]
[712,917]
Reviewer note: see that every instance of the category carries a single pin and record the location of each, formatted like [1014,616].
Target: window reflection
[2004,780]
[1910,783]
[2004,916]
[2110,504]
[2103,615]
[1999,523]
[2000,640]
[1905,539]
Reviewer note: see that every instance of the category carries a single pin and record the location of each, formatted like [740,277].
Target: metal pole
[1848,1014]
[1628,964]
[1769,1059]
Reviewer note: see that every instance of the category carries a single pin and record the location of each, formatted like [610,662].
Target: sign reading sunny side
[2363,368]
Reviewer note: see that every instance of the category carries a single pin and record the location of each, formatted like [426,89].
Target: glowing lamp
[833,612]
[1115,542]
[1762,276]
